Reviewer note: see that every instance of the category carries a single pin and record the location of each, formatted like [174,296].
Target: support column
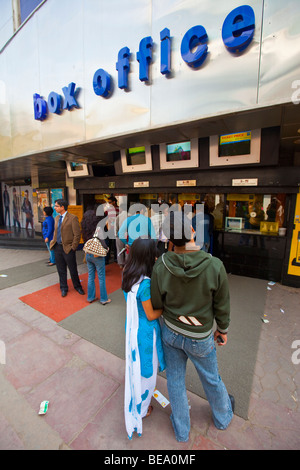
[16,13]
[71,190]
[35,185]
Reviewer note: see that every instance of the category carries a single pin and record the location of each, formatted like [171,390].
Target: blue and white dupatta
[134,382]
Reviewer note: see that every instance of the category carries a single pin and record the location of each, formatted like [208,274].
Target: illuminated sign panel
[235,149]
[136,156]
[235,144]
[178,152]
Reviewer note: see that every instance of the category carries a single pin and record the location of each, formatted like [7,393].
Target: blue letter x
[70,100]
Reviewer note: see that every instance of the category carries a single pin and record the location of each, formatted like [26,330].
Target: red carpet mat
[3,232]
[49,301]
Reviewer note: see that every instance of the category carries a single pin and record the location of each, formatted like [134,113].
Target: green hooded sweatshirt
[192,288]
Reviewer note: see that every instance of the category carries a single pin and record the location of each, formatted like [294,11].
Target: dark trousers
[64,260]
[111,243]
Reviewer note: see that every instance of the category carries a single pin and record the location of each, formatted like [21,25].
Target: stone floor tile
[10,327]
[102,360]
[9,439]
[203,443]
[107,430]
[31,358]
[76,392]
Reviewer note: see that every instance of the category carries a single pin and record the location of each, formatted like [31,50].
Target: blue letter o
[54,102]
[101,83]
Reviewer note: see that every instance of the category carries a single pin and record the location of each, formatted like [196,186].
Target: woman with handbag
[95,249]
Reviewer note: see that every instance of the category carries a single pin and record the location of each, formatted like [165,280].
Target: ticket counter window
[253,241]
[214,205]
[255,212]
[217,207]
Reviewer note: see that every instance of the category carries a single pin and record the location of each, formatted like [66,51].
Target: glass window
[261,212]
[218,211]
[213,205]
[27,7]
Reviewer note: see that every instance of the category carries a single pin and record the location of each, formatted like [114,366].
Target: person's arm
[45,230]
[151,230]
[48,230]
[123,232]
[156,297]
[221,338]
[145,297]
[221,306]
[76,233]
[151,314]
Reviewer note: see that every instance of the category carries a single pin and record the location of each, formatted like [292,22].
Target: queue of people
[174,292]
[173,297]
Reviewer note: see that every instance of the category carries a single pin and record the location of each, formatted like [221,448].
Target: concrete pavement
[85,384]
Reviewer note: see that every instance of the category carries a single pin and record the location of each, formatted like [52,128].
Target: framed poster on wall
[42,201]
[27,216]
[56,193]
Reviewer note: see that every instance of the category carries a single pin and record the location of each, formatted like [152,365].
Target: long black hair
[89,223]
[141,259]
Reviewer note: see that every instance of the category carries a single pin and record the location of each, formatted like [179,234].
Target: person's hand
[222,338]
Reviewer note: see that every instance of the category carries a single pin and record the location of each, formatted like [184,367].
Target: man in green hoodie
[191,287]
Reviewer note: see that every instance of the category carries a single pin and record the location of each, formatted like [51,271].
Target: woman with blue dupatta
[144,352]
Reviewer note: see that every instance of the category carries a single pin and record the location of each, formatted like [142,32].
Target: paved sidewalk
[85,384]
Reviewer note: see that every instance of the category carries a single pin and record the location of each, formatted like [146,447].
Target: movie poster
[17,206]
[42,201]
[56,193]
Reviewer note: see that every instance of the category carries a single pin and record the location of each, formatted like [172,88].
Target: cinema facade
[181,101]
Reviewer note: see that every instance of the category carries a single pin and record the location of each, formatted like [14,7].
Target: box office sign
[237,33]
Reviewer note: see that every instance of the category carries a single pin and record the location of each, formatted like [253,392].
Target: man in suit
[65,241]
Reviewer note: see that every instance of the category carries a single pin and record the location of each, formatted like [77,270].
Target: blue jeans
[96,264]
[51,252]
[177,350]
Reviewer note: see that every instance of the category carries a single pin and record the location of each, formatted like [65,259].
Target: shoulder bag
[94,246]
